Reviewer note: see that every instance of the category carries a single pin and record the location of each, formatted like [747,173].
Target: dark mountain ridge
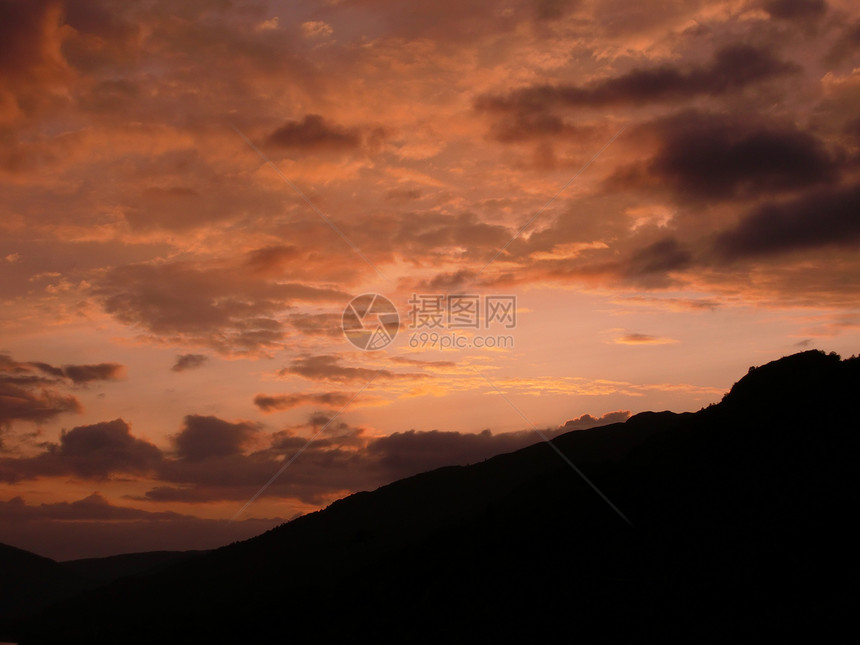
[741,526]
[30,583]
[101,571]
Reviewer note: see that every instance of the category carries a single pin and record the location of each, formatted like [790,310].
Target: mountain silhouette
[30,582]
[101,571]
[737,524]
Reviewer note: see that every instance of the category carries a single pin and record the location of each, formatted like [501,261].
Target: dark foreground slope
[101,571]
[742,525]
[30,583]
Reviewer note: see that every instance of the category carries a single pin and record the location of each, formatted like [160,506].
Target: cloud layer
[34,391]
[212,459]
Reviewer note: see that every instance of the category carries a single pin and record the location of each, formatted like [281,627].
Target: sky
[528,214]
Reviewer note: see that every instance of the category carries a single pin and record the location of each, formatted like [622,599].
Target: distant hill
[742,528]
[29,583]
[102,571]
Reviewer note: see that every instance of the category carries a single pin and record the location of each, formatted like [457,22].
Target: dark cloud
[662,256]
[47,368]
[329,467]
[93,507]
[319,324]
[100,35]
[171,207]
[405,453]
[28,391]
[714,157]
[450,281]
[26,35]
[446,21]
[88,373]
[108,97]
[823,218]
[434,235]
[403,194]
[26,404]
[344,459]
[271,260]
[173,298]
[846,45]
[587,421]
[852,129]
[279,402]
[231,310]
[796,9]
[218,460]
[92,452]
[732,68]
[527,125]
[553,9]
[103,448]
[179,189]
[313,132]
[175,494]
[189,362]
[94,17]
[81,374]
[329,368]
[206,437]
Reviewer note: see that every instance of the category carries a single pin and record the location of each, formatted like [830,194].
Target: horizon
[329,245]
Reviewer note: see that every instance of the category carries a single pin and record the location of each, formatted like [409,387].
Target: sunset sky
[193,192]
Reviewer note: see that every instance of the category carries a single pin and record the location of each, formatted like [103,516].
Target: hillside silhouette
[741,519]
[30,583]
[100,571]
